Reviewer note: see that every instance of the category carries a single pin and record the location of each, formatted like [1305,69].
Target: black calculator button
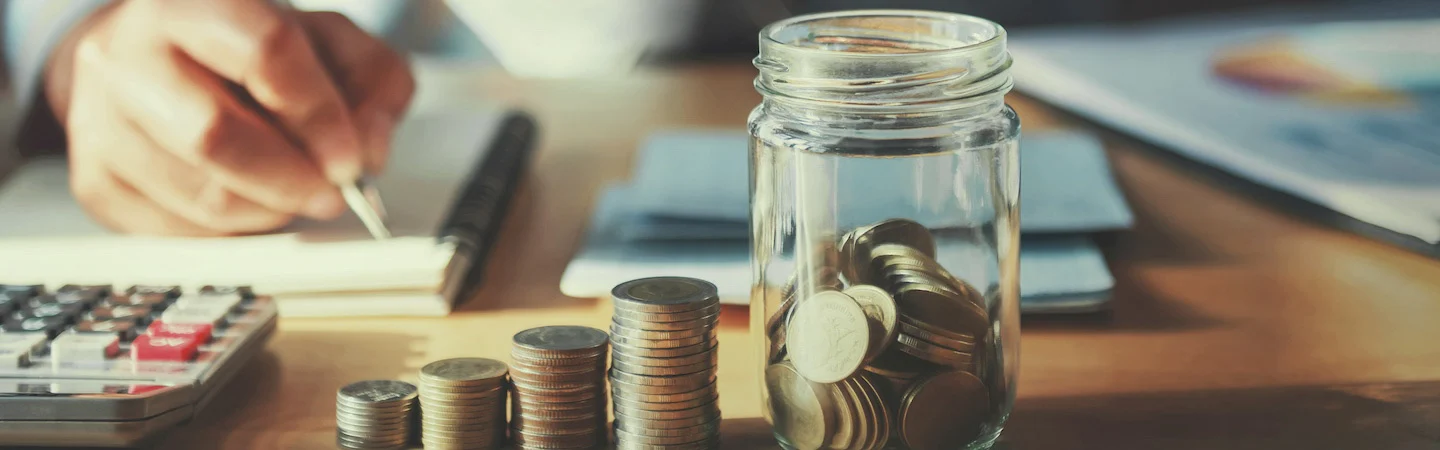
[57,299]
[7,305]
[156,302]
[167,290]
[22,290]
[109,312]
[47,310]
[81,294]
[51,326]
[125,329]
[244,291]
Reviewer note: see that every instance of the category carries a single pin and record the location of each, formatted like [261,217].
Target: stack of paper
[686,213]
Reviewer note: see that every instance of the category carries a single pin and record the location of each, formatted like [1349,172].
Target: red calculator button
[164,348]
[199,331]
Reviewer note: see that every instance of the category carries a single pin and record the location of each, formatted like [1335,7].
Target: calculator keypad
[107,333]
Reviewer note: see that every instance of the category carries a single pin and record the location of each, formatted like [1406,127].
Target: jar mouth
[890,60]
[886,33]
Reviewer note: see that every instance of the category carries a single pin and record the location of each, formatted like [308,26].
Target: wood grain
[1225,309]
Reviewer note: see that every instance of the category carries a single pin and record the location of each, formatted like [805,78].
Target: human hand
[221,117]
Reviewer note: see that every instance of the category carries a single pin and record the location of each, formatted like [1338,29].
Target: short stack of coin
[558,392]
[462,404]
[375,414]
[900,339]
[664,356]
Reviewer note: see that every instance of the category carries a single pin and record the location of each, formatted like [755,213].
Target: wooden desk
[1224,306]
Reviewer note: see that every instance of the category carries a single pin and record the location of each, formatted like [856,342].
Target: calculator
[93,365]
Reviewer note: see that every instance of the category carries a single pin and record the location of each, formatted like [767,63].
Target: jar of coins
[885,221]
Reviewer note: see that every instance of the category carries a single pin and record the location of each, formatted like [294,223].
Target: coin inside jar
[942,410]
[802,411]
[879,308]
[828,337]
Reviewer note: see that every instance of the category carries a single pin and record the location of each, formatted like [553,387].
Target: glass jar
[885,229]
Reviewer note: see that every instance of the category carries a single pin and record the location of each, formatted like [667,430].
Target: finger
[183,188]
[254,44]
[120,207]
[376,79]
[195,118]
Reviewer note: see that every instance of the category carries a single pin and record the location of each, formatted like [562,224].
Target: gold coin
[879,410]
[708,444]
[462,372]
[880,309]
[944,411]
[849,424]
[934,310]
[944,340]
[803,412]
[625,392]
[898,231]
[828,337]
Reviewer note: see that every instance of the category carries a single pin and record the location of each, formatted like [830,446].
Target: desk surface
[1234,325]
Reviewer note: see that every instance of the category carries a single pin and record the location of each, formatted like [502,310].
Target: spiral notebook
[446,187]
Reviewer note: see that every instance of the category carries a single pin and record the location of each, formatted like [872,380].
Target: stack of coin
[558,397]
[462,404]
[374,414]
[664,356]
[900,333]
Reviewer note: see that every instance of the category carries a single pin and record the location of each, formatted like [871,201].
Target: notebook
[447,186]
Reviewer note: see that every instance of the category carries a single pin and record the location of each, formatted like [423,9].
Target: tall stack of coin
[462,404]
[902,338]
[662,372]
[558,397]
[374,414]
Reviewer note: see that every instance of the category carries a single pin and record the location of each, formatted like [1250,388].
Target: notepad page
[46,237]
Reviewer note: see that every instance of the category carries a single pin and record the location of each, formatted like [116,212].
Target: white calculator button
[194,317]
[83,348]
[14,359]
[26,342]
[208,300]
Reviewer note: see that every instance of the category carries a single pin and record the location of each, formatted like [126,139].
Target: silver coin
[622,387]
[558,441]
[593,376]
[664,295]
[627,422]
[361,444]
[626,341]
[382,392]
[560,339]
[703,445]
[672,352]
[462,397]
[668,317]
[706,410]
[558,426]
[711,355]
[708,428]
[632,394]
[554,366]
[350,411]
[616,329]
[669,406]
[694,380]
[359,441]
[663,371]
[633,438]
[358,422]
[647,324]
[462,372]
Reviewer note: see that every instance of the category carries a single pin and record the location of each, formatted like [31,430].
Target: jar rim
[996,32]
